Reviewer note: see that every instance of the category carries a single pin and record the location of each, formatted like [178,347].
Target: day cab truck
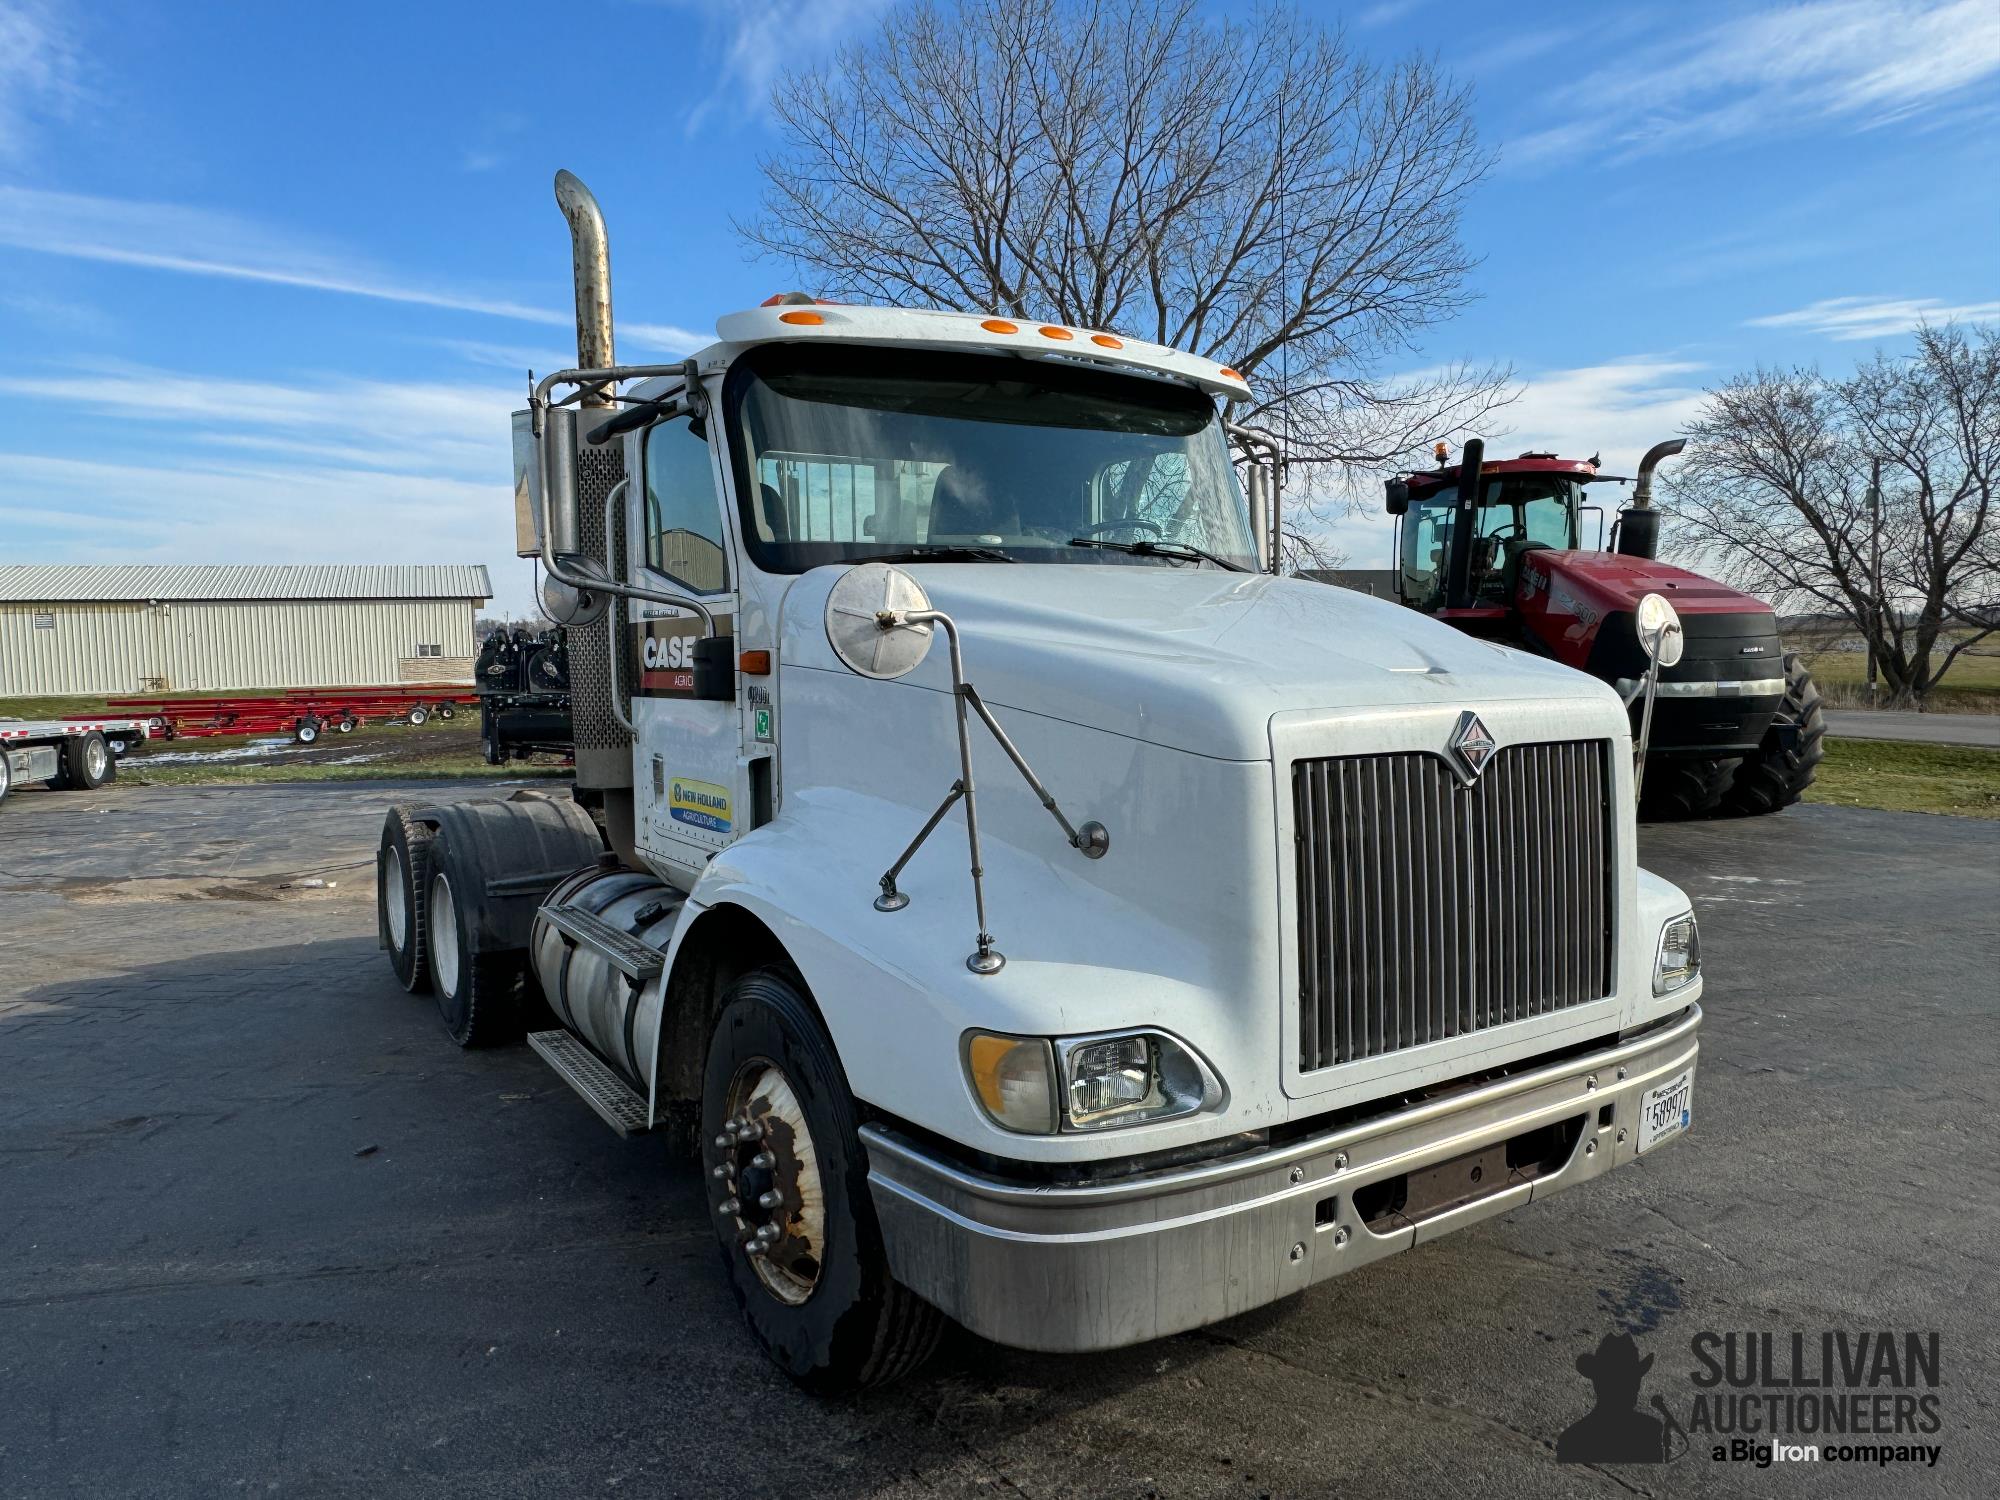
[1036,911]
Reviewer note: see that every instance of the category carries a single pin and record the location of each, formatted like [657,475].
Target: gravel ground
[263,1229]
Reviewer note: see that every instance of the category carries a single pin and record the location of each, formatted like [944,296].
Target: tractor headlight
[1038,1087]
[1678,959]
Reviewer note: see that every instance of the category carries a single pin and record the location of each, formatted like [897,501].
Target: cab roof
[810,322]
[1583,470]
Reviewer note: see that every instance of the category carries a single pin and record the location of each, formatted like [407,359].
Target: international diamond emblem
[1472,746]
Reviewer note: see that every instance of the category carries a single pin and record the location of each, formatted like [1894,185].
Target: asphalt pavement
[263,1229]
[1981,730]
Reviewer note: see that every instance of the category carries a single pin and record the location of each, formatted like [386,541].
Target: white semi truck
[79,754]
[1039,913]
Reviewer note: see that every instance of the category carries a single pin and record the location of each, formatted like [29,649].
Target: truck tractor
[1034,911]
[1736,722]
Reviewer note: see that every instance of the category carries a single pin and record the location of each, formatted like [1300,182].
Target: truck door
[688,771]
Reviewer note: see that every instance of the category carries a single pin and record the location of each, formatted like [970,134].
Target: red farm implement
[303,713]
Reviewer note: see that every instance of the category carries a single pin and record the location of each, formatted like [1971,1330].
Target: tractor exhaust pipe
[1465,521]
[1639,523]
[591,270]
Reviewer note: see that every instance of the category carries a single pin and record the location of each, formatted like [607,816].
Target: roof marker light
[1050,331]
[1107,341]
[1232,374]
[999,325]
[807,318]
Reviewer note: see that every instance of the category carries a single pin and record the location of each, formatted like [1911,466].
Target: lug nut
[724,1141]
[770,1199]
[719,1172]
[769,1234]
[729,1206]
[754,1247]
[749,1130]
[764,1159]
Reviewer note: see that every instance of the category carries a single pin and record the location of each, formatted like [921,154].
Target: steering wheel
[1123,525]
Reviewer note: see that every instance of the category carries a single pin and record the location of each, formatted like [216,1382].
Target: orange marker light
[1107,341]
[1231,373]
[755,663]
[807,318]
[1055,333]
[999,325]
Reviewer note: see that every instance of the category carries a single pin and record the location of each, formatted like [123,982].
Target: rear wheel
[1679,787]
[402,886]
[447,711]
[6,775]
[478,994]
[86,762]
[419,714]
[1777,773]
[346,725]
[788,1184]
[307,731]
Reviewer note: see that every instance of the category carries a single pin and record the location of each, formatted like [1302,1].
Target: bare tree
[1246,189]
[1775,493]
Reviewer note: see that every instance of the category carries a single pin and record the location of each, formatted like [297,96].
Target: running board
[603,1090]
[626,953]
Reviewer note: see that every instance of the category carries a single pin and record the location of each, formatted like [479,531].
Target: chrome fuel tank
[618,927]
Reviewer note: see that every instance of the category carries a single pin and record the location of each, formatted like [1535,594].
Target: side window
[1426,551]
[683,518]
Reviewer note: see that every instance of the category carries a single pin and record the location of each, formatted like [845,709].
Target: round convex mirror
[1660,630]
[568,605]
[855,608]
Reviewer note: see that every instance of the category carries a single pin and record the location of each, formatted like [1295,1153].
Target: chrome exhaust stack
[590,270]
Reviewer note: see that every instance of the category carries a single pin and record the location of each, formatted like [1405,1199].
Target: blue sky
[271,275]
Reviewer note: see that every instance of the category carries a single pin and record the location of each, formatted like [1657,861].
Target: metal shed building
[119,629]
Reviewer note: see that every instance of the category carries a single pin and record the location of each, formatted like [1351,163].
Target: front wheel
[788,1190]
[1777,773]
[419,714]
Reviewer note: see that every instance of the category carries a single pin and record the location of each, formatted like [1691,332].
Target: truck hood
[1193,659]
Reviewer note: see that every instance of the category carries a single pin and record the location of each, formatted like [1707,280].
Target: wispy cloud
[755,40]
[40,71]
[1845,318]
[203,242]
[1851,64]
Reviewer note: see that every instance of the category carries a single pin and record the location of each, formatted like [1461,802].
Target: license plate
[1664,1110]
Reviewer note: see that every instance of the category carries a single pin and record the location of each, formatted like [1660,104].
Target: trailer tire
[447,711]
[307,730]
[850,1325]
[6,775]
[418,713]
[1679,788]
[478,994]
[495,755]
[346,725]
[402,884]
[1777,773]
[86,763]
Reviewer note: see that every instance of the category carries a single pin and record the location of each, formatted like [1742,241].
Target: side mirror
[865,624]
[559,482]
[1396,496]
[569,605]
[1659,627]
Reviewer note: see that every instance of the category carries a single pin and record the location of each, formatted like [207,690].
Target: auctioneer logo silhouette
[1615,1431]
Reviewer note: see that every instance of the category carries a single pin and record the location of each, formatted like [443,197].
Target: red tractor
[1497,550]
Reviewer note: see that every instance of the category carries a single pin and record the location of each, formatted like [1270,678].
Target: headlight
[1678,959]
[1086,1083]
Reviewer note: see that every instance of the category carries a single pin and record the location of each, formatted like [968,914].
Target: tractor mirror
[1396,496]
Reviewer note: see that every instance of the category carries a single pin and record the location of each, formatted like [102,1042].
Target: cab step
[603,1090]
[627,954]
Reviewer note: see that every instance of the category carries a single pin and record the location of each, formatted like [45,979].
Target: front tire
[786,1172]
[1777,773]
[1682,787]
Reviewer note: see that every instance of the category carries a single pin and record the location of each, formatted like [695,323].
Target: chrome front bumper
[1099,1267]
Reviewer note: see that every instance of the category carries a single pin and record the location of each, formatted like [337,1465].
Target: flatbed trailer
[303,713]
[80,753]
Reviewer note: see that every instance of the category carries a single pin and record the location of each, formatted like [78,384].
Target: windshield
[847,453]
[1516,514]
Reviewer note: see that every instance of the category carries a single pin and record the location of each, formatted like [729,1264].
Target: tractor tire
[447,711]
[1778,772]
[418,714]
[402,886]
[817,1292]
[1680,788]
[346,725]
[478,994]
[307,731]
[86,762]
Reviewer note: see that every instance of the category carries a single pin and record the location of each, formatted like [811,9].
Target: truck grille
[1428,909]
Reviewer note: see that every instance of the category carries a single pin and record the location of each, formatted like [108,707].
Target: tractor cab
[1523,505]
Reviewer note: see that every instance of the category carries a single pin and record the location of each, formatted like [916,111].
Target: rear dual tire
[84,763]
[478,994]
[402,886]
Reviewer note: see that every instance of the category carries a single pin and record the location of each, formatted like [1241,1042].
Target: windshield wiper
[945,553]
[1181,550]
